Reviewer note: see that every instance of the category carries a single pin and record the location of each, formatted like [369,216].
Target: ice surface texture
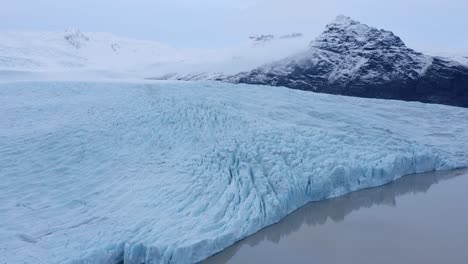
[175,172]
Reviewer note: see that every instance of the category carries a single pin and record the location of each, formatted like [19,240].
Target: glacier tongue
[169,172]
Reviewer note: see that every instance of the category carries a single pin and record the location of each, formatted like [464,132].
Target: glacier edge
[175,172]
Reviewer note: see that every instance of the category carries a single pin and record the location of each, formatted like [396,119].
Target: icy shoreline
[99,172]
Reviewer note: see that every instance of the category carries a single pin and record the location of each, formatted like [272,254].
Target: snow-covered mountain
[351,58]
[76,51]
[73,49]
[348,58]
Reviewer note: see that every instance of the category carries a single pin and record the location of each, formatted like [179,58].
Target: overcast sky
[423,24]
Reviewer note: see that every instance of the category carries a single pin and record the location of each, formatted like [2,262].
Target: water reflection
[336,210]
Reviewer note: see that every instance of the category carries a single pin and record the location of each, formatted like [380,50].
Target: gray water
[420,218]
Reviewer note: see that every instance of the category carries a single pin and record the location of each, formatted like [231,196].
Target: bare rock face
[76,38]
[261,38]
[291,35]
[350,58]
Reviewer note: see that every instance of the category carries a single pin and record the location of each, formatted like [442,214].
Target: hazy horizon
[425,25]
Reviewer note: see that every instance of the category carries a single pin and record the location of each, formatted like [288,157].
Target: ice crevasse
[173,172]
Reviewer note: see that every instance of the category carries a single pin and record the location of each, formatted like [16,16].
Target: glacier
[173,172]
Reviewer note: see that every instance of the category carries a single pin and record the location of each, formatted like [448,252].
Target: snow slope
[463,59]
[168,172]
[109,55]
[452,57]
[73,49]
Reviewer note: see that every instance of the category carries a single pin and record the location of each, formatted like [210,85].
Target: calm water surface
[418,219]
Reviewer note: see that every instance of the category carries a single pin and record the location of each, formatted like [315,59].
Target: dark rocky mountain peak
[351,58]
[347,35]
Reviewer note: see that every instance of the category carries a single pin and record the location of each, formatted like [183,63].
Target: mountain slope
[351,58]
[73,51]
